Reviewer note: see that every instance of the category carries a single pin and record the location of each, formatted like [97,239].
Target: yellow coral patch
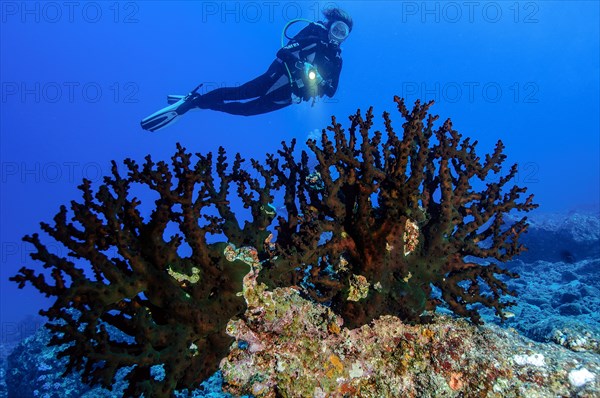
[359,288]
[336,362]
[428,333]
[333,328]
[182,278]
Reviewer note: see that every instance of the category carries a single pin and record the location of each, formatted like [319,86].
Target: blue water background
[76,80]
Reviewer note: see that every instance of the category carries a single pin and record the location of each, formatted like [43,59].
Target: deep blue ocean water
[77,78]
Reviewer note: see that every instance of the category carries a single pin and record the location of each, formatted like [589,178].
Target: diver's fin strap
[196,89]
[171,99]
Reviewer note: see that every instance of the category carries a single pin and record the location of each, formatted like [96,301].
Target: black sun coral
[372,229]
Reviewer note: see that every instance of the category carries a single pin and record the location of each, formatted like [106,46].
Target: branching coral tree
[371,230]
[381,223]
[172,307]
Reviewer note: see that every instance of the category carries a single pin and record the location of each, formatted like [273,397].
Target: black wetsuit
[273,90]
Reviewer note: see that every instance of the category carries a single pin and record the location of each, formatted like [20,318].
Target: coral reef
[559,298]
[291,347]
[559,302]
[403,215]
[34,371]
[536,317]
[173,308]
[562,237]
[372,230]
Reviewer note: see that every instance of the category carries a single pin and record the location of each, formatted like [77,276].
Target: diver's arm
[329,86]
[290,54]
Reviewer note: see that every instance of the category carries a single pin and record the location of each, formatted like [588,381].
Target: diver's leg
[256,87]
[275,99]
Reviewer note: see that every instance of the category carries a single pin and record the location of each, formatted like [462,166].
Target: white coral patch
[580,377]
[356,370]
[534,360]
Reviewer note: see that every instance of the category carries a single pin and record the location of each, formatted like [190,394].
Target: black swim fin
[168,115]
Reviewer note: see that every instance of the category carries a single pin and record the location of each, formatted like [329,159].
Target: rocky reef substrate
[289,347]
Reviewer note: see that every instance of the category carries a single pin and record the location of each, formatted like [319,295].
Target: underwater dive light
[311,72]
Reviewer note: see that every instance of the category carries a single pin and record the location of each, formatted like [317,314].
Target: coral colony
[384,224]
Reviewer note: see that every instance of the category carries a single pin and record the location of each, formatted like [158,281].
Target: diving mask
[338,31]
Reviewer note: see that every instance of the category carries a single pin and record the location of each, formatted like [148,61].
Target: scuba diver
[307,67]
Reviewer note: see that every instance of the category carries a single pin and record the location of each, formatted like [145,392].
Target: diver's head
[339,24]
